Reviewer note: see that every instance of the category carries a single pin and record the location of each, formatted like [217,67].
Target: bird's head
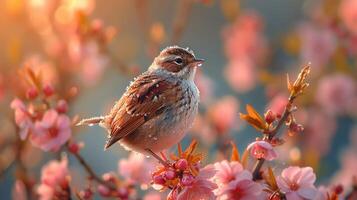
[178,61]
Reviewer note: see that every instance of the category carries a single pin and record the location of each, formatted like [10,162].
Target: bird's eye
[178,61]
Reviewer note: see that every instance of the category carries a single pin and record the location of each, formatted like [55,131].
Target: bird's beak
[198,62]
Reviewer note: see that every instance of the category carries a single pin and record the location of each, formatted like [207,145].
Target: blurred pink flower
[22,118]
[223,114]
[319,129]
[203,129]
[244,39]
[348,14]
[52,131]
[317,44]
[262,149]
[93,63]
[336,93]
[152,196]
[136,169]
[241,75]
[322,193]
[54,180]
[245,47]
[347,171]
[44,67]
[226,171]
[202,187]
[19,191]
[205,86]
[297,183]
[278,103]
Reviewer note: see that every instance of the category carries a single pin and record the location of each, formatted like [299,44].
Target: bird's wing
[147,97]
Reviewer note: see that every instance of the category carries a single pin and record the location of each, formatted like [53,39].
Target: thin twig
[287,111]
[91,172]
[20,166]
[7,167]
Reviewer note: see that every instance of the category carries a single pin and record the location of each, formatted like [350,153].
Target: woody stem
[287,111]
[90,171]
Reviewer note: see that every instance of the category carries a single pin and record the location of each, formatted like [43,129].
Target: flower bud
[31,93]
[296,128]
[86,194]
[159,179]
[109,177]
[269,117]
[97,25]
[123,193]
[181,164]
[74,147]
[338,189]
[169,174]
[48,90]
[103,191]
[62,106]
[187,179]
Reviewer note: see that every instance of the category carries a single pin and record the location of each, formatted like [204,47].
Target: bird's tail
[91,121]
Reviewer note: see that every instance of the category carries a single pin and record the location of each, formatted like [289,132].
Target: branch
[295,89]
[287,111]
[90,171]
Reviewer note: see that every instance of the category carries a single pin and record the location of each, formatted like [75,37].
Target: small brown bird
[158,107]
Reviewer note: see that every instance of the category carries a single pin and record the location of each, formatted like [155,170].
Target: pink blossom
[22,118]
[348,15]
[202,187]
[317,44]
[52,131]
[241,189]
[336,93]
[241,75]
[262,149]
[226,171]
[278,103]
[243,39]
[136,169]
[223,114]
[319,129]
[19,191]
[297,183]
[235,183]
[152,196]
[54,180]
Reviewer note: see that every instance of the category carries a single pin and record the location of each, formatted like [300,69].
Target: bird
[158,107]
